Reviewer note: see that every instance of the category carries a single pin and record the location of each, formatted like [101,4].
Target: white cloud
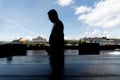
[82,9]
[105,14]
[65,2]
[97,33]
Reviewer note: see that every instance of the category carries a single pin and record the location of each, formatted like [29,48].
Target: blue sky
[81,18]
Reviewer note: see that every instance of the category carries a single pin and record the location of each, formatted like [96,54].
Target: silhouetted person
[56,49]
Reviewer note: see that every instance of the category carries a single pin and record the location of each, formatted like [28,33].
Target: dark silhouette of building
[56,49]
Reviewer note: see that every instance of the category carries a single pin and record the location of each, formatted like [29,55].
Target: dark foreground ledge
[84,48]
[7,50]
[77,47]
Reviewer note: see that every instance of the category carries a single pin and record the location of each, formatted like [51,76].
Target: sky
[81,18]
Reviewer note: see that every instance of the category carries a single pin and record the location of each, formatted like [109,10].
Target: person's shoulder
[59,22]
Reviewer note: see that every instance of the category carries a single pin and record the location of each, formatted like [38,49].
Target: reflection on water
[39,56]
[110,52]
[43,52]
[115,53]
[72,52]
[36,52]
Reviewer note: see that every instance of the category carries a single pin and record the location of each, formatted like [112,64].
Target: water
[73,52]
[40,57]
[43,52]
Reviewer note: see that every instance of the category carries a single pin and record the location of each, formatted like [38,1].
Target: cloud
[97,33]
[105,14]
[82,9]
[65,2]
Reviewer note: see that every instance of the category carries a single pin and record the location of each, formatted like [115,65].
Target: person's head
[53,16]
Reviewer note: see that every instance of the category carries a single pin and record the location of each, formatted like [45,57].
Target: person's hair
[53,13]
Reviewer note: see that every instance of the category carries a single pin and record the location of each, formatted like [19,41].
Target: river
[73,52]
[40,56]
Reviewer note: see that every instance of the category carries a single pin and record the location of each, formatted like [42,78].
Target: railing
[84,49]
[8,50]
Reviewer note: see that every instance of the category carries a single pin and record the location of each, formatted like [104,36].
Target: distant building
[4,42]
[102,40]
[20,41]
[23,40]
[17,41]
[39,40]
